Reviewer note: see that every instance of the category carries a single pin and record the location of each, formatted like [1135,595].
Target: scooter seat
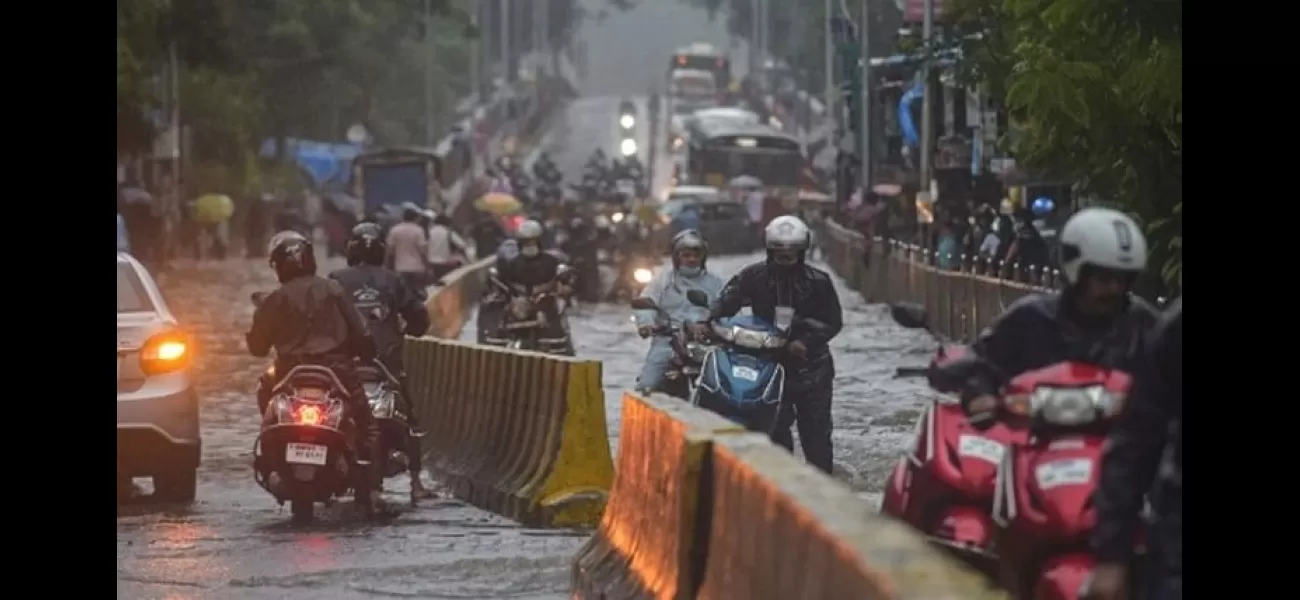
[311,375]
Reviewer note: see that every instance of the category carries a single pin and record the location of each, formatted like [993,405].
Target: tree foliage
[279,68]
[1095,91]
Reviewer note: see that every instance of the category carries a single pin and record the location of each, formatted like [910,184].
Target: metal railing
[962,301]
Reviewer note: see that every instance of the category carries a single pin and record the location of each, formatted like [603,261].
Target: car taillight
[164,353]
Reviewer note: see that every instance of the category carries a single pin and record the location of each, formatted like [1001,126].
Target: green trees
[1094,88]
[303,68]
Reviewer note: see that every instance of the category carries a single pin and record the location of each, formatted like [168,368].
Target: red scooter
[944,485]
[1043,501]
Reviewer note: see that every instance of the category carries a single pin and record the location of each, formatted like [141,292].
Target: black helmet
[366,245]
[292,255]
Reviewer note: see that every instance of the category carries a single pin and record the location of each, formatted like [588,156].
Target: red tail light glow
[309,415]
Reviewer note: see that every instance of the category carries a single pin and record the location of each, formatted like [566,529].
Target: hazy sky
[629,51]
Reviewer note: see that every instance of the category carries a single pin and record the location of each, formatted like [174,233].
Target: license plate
[745,373]
[1073,471]
[980,447]
[305,454]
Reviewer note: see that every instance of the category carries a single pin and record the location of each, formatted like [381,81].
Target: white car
[157,404]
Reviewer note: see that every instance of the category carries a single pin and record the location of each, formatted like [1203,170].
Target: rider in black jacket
[536,271]
[382,297]
[782,289]
[1094,319]
[1145,453]
[310,320]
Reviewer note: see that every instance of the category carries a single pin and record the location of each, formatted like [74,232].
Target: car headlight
[627,121]
[642,275]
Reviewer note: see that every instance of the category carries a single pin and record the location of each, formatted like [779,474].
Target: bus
[719,150]
[704,57]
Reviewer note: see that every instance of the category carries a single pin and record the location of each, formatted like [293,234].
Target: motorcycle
[395,433]
[943,486]
[682,377]
[1043,496]
[742,379]
[306,451]
[634,274]
[523,322]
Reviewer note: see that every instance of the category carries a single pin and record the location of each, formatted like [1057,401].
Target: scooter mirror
[909,314]
[698,298]
[644,304]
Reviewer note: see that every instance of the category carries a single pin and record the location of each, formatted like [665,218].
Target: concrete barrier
[647,544]
[449,304]
[783,530]
[521,434]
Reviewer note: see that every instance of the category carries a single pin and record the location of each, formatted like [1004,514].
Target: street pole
[866,102]
[755,7]
[830,69]
[476,56]
[428,75]
[505,40]
[927,117]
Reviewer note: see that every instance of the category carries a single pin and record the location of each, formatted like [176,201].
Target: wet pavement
[235,542]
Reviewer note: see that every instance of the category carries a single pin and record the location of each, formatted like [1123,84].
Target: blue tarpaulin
[326,163]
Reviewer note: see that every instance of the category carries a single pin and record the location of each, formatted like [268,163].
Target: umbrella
[213,208]
[498,203]
[135,195]
[745,181]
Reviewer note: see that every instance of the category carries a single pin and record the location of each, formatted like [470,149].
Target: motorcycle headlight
[617,217]
[748,338]
[1067,407]
[642,275]
[520,308]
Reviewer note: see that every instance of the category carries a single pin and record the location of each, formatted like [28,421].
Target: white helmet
[787,233]
[529,230]
[1103,238]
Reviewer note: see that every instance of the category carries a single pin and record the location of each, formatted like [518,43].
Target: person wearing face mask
[782,290]
[1095,318]
[668,290]
[535,271]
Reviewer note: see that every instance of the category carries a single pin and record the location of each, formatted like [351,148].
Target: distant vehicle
[705,57]
[723,222]
[690,90]
[157,404]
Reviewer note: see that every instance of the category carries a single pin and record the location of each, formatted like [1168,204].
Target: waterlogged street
[235,542]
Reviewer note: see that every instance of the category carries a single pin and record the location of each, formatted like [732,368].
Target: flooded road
[235,542]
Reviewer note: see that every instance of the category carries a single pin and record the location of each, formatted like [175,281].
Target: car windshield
[724,211]
[131,296]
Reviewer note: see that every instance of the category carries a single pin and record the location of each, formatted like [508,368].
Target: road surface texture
[234,542]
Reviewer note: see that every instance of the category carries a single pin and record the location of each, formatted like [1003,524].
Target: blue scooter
[742,378]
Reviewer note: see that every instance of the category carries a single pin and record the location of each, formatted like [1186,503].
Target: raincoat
[668,290]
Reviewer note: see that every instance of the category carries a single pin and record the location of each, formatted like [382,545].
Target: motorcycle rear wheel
[303,510]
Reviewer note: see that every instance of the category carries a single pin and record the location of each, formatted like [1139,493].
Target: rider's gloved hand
[981,411]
